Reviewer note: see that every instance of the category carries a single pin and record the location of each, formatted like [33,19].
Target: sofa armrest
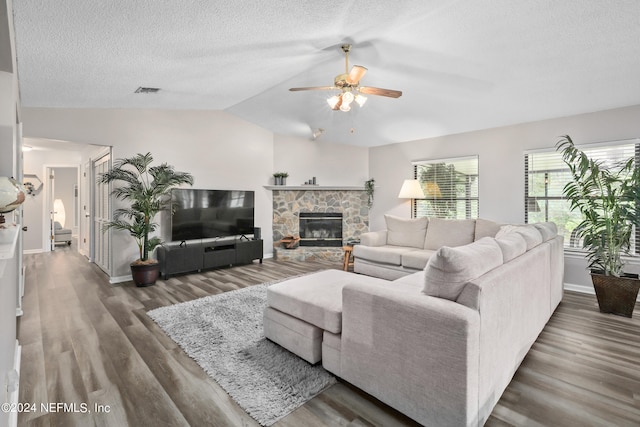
[374,238]
[417,353]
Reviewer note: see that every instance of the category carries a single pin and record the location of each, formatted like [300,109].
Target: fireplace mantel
[313,188]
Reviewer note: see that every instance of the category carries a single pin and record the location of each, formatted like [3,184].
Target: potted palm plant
[148,190]
[607,198]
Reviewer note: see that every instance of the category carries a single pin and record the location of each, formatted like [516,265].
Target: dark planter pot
[616,295]
[145,274]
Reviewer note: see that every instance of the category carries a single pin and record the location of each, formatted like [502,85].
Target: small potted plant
[607,198]
[148,190]
[280,178]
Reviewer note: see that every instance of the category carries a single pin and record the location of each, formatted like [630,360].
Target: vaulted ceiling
[462,65]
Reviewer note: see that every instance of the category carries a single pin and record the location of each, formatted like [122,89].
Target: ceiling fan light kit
[349,83]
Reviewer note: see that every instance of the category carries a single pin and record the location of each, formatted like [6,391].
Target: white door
[84,243]
[101,210]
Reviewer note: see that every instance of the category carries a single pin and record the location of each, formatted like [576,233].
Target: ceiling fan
[349,83]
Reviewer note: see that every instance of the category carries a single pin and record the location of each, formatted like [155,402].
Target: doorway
[63,205]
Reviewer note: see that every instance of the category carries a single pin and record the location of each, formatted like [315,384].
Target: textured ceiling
[462,65]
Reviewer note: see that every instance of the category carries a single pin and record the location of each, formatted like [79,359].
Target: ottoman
[299,310]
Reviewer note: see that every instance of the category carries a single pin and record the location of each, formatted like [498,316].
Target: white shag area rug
[223,334]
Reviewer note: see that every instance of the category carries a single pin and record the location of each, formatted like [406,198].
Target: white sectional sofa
[406,245]
[440,344]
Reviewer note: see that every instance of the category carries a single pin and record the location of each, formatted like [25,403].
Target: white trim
[448,160]
[587,146]
[13,398]
[579,288]
[32,251]
[312,188]
[119,279]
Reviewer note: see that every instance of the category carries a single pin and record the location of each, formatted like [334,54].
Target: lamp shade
[411,189]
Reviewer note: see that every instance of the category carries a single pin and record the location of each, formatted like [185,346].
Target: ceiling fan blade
[380,92]
[356,73]
[295,89]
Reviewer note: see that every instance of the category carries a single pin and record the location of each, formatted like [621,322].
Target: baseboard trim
[579,288]
[32,251]
[119,279]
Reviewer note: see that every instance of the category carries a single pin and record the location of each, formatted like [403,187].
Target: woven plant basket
[616,295]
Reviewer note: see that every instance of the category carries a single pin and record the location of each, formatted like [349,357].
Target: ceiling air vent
[147,89]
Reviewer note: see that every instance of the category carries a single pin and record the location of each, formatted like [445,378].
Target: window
[546,175]
[450,187]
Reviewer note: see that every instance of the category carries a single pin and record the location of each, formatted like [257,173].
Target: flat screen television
[204,214]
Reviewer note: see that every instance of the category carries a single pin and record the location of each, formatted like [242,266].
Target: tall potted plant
[607,198]
[148,190]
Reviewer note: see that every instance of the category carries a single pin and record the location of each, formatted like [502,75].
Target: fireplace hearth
[320,229]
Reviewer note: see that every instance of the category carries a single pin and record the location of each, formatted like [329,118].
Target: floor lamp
[411,189]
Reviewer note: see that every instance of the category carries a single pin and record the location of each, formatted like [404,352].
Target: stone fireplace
[314,213]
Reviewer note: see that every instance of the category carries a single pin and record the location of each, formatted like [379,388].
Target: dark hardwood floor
[85,341]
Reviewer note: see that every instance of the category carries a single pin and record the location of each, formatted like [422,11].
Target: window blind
[546,174]
[450,187]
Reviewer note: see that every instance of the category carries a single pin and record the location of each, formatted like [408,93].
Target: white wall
[36,239]
[331,164]
[220,150]
[8,267]
[501,164]
[9,158]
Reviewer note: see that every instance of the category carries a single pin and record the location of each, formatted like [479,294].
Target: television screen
[202,214]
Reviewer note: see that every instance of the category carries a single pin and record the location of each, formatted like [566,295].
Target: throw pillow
[406,232]
[512,246]
[450,269]
[486,228]
[530,233]
[548,230]
[449,232]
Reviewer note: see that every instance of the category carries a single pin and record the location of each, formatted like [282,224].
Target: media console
[186,257]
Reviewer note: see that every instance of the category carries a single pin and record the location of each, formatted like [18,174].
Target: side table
[348,257]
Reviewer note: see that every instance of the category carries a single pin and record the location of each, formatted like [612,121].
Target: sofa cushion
[548,230]
[386,254]
[449,232]
[413,282]
[316,298]
[416,259]
[485,228]
[449,269]
[512,246]
[406,232]
[530,233]
[374,238]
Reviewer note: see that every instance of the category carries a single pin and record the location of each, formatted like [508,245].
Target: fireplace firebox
[320,229]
